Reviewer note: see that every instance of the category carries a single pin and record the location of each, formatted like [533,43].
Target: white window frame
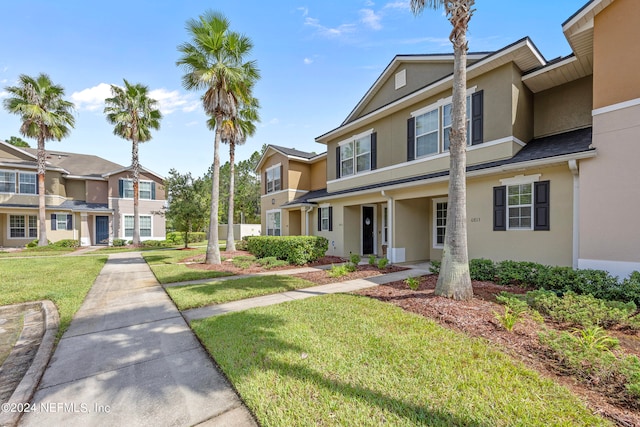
[34,183]
[446,127]
[324,216]
[64,215]
[353,142]
[271,179]
[385,225]
[273,212]
[12,182]
[127,189]
[519,181]
[26,228]
[145,182]
[436,226]
[124,225]
[435,111]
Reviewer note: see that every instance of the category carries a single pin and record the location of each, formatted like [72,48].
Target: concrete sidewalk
[262,301]
[129,358]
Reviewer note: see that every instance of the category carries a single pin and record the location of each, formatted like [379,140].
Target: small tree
[188,208]
[17,142]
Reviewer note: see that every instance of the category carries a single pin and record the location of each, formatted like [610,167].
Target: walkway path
[129,358]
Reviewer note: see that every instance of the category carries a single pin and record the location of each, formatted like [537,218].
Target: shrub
[382,263]
[32,244]
[482,269]
[155,244]
[509,319]
[119,242]
[67,243]
[271,262]
[341,270]
[243,261]
[242,245]
[434,267]
[177,237]
[372,260]
[517,272]
[628,290]
[293,249]
[355,259]
[413,283]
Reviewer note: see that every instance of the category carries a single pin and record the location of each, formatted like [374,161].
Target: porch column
[390,228]
[85,234]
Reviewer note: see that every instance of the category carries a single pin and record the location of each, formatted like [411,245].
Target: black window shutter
[319,219]
[266,187]
[374,151]
[477,107]
[69,222]
[282,178]
[120,188]
[153,191]
[53,222]
[337,162]
[500,208]
[541,205]
[411,139]
[330,218]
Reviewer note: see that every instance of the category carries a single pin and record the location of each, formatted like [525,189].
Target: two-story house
[552,147]
[88,199]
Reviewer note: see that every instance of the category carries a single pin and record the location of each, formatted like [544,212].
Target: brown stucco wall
[616,55]
[563,108]
[319,175]
[98,191]
[75,189]
[271,161]
[298,176]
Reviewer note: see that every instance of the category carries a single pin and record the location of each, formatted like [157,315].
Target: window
[7,182]
[428,135]
[439,222]
[357,155]
[23,226]
[145,225]
[274,179]
[521,205]
[126,191]
[385,225]
[273,223]
[325,218]
[27,183]
[61,221]
[145,190]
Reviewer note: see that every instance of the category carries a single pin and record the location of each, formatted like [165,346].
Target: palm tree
[45,116]
[133,115]
[215,61]
[454,280]
[235,131]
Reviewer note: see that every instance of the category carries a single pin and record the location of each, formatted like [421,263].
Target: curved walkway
[129,358]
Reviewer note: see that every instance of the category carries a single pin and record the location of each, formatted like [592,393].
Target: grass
[193,296]
[353,361]
[37,252]
[164,264]
[63,280]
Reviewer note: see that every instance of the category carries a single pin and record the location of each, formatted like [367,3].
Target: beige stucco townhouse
[88,199]
[552,153]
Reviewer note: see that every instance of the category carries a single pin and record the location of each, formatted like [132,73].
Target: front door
[367,230]
[102,230]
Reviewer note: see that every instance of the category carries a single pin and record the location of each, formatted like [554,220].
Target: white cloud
[308,61]
[371,19]
[369,3]
[92,99]
[327,31]
[4,94]
[304,10]
[171,101]
[404,5]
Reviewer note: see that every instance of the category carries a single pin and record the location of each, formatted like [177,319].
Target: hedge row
[177,238]
[293,249]
[598,283]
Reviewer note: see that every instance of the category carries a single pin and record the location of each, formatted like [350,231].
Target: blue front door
[102,230]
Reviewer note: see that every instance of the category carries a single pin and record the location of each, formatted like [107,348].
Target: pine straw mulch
[476,318]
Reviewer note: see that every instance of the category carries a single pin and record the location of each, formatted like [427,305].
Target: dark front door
[367,230]
[102,230]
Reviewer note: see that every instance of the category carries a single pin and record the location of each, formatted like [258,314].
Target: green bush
[119,242]
[244,261]
[271,262]
[372,260]
[482,269]
[177,238]
[293,249]
[434,267]
[242,245]
[156,244]
[341,270]
[32,244]
[355,259]
[517,272]
[66,243]
[413,283]
[382,263]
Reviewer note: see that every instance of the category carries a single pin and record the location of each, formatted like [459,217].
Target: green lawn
[192,296]
[37,252]
[353,361]
[164,264]
[63,280]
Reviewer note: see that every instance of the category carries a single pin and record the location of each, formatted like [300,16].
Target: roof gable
[290,153]
[8,151]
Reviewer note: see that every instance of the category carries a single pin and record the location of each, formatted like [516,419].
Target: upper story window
[146,189]
[273,179]
[356,155]
[429,129]
[26,182]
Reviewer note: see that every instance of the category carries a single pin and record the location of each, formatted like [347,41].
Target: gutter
[573,167]
[306,219]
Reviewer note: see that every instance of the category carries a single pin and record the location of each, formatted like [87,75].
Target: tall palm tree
[133,115]
[215,61]
[45,116]
[235,131]
[454,280]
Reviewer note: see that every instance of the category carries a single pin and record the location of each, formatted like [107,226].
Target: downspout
[306,220]
[573,167]
[390,227]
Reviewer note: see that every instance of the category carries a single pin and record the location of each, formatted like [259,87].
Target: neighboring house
[88,198]
[552,155]
[287,174]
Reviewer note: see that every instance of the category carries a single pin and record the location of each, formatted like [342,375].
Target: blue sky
[317,60]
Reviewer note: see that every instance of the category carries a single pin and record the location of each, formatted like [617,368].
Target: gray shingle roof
[79,164]
[294,152]
[572,142]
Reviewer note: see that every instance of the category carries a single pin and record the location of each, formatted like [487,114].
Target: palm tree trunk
[136,183]
[454,280]
[231,243]
[213,247]
[42,207]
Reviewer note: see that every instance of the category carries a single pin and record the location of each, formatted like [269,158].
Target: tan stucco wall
[563,108]
[98,191]
[75,189]
[609,191]
[298,176]
[413,228]
[113,183]
[271,161]
[319,175]
[616,54]
[55,183]
[9,152]
[521,107]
